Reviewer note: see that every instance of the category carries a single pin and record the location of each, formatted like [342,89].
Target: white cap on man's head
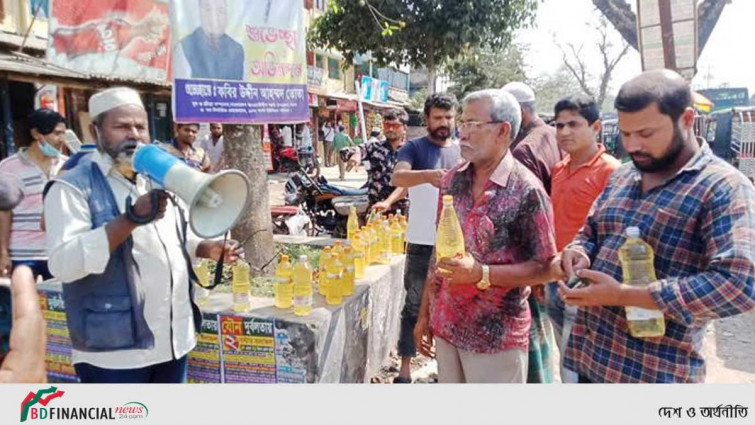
[112,98]
[522,92]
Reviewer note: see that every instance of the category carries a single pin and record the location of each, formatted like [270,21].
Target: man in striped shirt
[22,240]
[698,214]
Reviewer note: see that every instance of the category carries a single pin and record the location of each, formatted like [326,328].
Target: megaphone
[216,201]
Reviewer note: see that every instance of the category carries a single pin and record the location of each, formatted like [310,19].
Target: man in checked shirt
[698,214]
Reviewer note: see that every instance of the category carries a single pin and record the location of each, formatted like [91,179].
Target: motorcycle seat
[343,203]
[343,191]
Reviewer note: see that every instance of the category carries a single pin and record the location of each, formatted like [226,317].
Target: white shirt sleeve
[76,250]
[181,67]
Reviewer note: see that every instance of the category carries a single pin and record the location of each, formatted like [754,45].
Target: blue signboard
[727,97]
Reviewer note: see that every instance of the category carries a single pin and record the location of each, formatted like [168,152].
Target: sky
[727,60]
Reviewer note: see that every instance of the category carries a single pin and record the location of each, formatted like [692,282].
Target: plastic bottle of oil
[241,287]
[202,270]
[324,260]
[376,242]
[352,225]
[450,239]
[333,271]
[404,226]
[349,272]
[369,244]
[359,255]
[384,236]
[284,288]
[302,277]
[638,269]
[397,243]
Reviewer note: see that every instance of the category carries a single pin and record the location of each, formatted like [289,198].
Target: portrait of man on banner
[239,61]
[208,52]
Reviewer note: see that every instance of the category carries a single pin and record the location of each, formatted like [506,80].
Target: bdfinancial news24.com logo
[36,406]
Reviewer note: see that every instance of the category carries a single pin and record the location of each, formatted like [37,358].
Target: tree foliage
[550,88]
[487,68]
[419,33]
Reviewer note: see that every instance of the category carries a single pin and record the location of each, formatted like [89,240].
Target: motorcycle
[287,159]
[326,205]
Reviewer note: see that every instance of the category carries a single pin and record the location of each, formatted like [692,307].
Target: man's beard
[437,135]
[122,156]
[661,164]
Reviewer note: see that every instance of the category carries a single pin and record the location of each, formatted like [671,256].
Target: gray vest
[106,311]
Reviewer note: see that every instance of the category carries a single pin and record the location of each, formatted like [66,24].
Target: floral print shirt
[511,223]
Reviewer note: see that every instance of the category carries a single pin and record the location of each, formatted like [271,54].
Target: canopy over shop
[27,83]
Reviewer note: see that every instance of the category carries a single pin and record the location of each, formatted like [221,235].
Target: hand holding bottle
[460,270]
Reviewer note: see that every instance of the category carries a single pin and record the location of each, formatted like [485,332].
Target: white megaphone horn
[216,201]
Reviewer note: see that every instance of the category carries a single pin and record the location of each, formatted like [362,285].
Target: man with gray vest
[125,269]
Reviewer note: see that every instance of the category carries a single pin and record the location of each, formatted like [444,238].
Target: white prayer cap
[112,98]
[522,92]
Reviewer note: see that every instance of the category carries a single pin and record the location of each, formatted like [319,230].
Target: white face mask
[48,150]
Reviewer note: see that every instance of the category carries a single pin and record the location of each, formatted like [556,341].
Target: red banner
[129,39]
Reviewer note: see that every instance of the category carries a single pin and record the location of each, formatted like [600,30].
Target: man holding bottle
[694,210]
[480,318]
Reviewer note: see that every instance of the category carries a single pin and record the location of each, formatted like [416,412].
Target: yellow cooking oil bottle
[397,243]
[369,244]
[202,270]
[325,257]
[302,277]
[333,271]
[404,226]
[352,225]
[284,288]
[449,240]
[348,275]
[384,236]
[638,269]
[241,287]
[359,255]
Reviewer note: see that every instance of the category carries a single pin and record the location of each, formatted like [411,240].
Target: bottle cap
[284,258]
[302,258]
[447,199]
[633,232]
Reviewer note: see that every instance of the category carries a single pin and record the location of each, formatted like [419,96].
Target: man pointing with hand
[422,163]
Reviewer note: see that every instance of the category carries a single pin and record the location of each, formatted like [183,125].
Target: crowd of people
[538,206]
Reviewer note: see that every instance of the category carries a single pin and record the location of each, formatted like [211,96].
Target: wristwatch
[484,283]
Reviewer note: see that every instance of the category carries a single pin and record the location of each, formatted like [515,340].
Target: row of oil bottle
[382,238]
[377,242]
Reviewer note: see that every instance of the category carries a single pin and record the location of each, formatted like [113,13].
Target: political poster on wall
[129,39]
[239,61]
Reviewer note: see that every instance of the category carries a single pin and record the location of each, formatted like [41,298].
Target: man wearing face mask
[125,271]
[22,240]
[209,52]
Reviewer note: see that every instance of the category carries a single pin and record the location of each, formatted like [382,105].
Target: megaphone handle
[132,216]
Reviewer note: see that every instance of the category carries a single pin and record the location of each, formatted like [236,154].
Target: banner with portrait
[129,39]
[239,61]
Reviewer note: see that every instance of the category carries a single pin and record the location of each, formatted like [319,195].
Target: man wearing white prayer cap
[125,270]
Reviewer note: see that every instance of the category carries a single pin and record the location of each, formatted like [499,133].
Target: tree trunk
[243,151]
